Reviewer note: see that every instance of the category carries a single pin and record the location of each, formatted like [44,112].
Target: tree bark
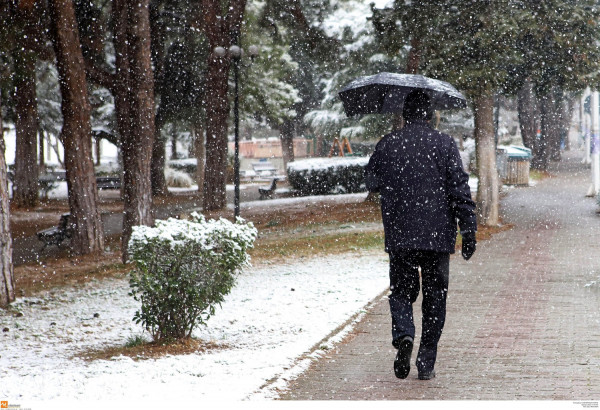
[25,184]
[88,233]
[319,150]
[528,118]
[221,30]
[217,111]
[159,183]
[135,101]
[287,143]
[158,36]
[543,148]
[7,280]
[414,56]
[556,125]
[200,157]
[41,153]
[487,187]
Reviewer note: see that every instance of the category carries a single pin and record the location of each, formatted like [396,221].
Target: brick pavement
[521,323]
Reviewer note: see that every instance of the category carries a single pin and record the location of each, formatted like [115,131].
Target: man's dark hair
[417,106]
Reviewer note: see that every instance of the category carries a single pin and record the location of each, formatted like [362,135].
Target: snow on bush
[320,176]
[178,179]
[183,269]
[187,165]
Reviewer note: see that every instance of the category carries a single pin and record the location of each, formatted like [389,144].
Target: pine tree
[298,25]
[27,29]
[559,41]
[222,22]
[7,280]
[134,102]
[88,235]
[473,48]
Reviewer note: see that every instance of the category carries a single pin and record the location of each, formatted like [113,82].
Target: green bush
[321,176]
[183,269]
[188,165]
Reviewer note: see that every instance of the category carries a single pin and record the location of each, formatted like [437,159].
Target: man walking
[424,192]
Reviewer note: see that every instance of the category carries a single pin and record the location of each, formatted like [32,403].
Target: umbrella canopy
[385,92]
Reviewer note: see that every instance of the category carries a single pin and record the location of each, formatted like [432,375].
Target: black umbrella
[385,92]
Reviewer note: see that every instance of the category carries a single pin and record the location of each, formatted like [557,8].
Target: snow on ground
[273,316]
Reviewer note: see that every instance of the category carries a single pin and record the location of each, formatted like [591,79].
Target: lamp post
[236,53]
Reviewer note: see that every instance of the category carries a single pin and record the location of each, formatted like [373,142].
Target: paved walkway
[523,317]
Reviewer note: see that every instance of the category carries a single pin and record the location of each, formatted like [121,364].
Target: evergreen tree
[409,22]
[299,24]
[269,95]
[88,232]
[7,280]
[473,48]
[222,24]
[359,52]
[559,41]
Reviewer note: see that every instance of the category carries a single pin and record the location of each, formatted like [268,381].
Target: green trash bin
[513,164]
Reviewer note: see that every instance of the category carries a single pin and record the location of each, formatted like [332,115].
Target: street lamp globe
[235,51]
[220,51]
[253,51]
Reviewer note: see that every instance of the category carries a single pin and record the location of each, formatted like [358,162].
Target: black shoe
[427,375]
[402,362]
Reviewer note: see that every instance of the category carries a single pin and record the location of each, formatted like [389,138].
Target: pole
[586,126]
[236,159]
[595,144]
[496,119]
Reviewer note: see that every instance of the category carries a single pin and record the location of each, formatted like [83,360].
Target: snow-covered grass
[272,317]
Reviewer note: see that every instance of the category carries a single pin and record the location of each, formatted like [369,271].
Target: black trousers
[404,286]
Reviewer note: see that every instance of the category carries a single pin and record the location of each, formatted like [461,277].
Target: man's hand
[468,245]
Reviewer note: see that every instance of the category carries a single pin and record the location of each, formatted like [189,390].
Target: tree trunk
[487,187]
[568,110]
[158,33]
[542,155]
[25,184]
[287,142]
[159,183]
[7,280]
[41,153]
[528,118]
[174,151]
[200,157]
[122,80]
[319,150]
[88,233]
[414,56]
[221,31]
[98,144]
[556,124]
[136,103]
[217,111]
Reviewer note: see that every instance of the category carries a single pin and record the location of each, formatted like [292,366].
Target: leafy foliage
[361,52]
[559,40]
[183,269]
[475,46]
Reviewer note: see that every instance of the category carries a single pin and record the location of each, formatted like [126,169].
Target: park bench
[264,169]
[108,182]
[57,234]
[268,192]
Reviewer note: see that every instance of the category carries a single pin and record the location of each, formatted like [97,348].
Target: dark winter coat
[424,189]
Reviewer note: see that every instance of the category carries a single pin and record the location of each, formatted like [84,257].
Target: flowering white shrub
[183,269]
